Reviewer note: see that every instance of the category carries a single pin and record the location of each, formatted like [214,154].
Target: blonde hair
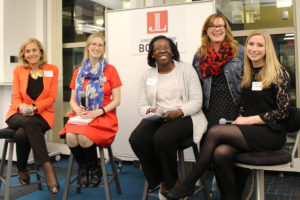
[88,42]
[21,56]
[205,41]
[271,72]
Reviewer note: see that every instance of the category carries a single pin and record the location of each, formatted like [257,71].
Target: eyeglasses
[214,27]
[159,49]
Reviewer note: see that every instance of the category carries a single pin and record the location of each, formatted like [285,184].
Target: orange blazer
[44,102]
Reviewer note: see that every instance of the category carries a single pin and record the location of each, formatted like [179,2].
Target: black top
[35,87]
[271,104]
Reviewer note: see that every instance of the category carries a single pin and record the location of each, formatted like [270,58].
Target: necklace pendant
[36,75]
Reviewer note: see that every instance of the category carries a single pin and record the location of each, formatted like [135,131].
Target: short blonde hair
[21,56]
[89,41]
[205,41]
[272,70]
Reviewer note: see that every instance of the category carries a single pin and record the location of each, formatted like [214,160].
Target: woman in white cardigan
[173,89]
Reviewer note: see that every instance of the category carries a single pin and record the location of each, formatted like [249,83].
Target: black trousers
[155,144]
[30,134]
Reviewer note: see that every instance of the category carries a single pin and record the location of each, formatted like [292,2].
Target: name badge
[256,86]
[151,81]
[48,73]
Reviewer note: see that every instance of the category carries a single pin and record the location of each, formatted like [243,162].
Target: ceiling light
[283,3]
[99,21]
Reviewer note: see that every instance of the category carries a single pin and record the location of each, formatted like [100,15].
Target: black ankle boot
[83,172]
[96,174]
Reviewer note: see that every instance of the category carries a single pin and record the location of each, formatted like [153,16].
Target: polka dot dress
[220,103]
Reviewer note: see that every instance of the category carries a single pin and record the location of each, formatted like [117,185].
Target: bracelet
[103,110]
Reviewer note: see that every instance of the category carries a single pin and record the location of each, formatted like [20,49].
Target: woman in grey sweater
[173,89]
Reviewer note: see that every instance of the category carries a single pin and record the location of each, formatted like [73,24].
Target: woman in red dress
[95,95]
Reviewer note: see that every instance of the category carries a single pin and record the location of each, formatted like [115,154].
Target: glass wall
[80,19]
[256,14]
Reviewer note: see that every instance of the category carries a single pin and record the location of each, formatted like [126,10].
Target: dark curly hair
[176,56]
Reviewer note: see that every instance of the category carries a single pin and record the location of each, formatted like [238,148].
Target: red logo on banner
[157,22]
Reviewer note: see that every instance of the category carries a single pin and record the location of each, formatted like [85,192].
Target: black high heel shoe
[179,192]
[151,190]
[54,189]
[24,177]
[49,172]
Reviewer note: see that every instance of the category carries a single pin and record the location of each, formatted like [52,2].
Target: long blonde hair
[271,72]
[205,41]
[88,42]
[21,55]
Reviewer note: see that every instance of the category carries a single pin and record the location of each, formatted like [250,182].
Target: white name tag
[48,73]
[256,86]
[151,81]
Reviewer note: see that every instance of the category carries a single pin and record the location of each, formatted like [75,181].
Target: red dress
[102,129]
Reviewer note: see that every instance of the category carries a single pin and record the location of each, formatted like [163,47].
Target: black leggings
[30,131]
[155,144]
[221,144]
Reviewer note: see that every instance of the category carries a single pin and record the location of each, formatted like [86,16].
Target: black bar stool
[187,143]
[8,135]
[106,181]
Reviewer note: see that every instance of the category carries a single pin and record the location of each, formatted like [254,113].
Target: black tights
[221,144]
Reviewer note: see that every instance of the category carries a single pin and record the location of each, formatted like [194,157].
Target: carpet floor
[277,186]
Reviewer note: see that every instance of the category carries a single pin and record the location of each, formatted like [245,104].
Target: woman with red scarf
[219,64]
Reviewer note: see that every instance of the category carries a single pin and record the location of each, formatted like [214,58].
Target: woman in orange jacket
[31,113]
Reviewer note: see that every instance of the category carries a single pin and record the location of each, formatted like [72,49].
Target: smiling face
[162,52]
[256,50]
[217,31]
[32,54]
[96,48]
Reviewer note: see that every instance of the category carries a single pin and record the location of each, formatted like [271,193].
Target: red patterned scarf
[215,61]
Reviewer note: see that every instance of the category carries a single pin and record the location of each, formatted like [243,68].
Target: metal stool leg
[38,177]
[8,171]
[3,159]
[145,193]
[181,163]
[114,170]
[104,172]
[68,178]
[202,183]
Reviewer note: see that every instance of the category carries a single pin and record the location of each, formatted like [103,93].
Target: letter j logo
[157,22]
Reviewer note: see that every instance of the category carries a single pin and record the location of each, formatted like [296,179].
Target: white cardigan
[191,92]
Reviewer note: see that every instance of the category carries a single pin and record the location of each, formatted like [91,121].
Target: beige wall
[54,51]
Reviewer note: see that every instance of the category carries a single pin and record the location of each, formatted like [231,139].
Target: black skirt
[262,137]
